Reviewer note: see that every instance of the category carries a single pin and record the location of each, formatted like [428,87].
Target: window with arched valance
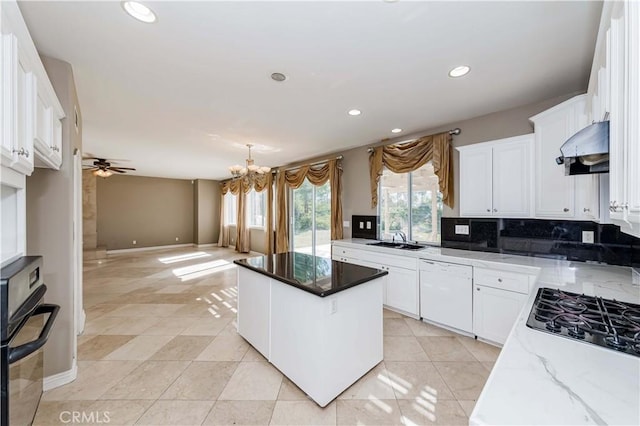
[292,179]
[240,187]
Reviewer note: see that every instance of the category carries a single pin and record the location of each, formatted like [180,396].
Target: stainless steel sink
[402,246]
[385,244]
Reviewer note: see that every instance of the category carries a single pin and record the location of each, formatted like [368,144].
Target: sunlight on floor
[183,257]
[202,269]
[375,404]
[396,382]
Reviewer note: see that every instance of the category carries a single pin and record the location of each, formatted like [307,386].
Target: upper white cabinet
[495,178]
[31,113]
[17,108]
[558,196]
[614,87]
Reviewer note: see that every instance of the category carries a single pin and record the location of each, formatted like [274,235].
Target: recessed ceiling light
[139,11]
[396,130]
[278,76]
[355,112]
[459,71]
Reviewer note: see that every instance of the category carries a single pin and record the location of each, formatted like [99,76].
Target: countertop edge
[302,287]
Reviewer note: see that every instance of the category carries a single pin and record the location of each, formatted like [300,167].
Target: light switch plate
[587,237]
[361,225]
[462,229]
[368,224]
[346,224]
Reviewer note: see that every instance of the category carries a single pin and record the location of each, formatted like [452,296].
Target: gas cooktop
[603,322]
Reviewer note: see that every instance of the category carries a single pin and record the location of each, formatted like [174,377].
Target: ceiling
[179,98]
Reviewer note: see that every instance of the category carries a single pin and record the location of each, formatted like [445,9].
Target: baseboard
[57,380]
[132,250]
[81,322]
[205,245]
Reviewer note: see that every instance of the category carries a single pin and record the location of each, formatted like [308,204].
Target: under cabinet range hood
[587,151]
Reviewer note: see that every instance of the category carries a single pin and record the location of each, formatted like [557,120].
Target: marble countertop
[540,378]
[316,275]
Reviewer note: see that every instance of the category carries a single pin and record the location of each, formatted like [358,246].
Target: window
[230,207]
[311,219]
[410,203]
[256,208]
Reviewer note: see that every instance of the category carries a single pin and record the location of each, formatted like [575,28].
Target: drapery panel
[410,156]
[223,239]
[240,188]
[329,171]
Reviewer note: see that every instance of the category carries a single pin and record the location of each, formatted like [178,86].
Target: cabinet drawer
[511,281]
[344,252]
[390,260]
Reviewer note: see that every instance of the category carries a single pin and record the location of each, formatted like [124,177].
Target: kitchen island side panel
[325,344]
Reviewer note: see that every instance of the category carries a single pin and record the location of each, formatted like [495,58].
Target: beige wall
[152,211]
[89,211]
[206,211]
[50,223]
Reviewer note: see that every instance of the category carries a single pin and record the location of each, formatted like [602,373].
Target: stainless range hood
[587,151]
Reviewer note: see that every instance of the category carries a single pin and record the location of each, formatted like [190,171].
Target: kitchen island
[319,321]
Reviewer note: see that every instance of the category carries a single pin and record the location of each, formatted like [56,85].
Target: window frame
[409,209]
[251,194]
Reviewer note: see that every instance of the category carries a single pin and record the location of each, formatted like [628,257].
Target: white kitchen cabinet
[495,178]
[555,193]
[494,312]
[498,297]
[31,130]
[18,106]
[623,62]
[47,141]
[401,288]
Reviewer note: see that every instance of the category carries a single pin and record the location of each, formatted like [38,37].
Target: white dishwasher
[446,294]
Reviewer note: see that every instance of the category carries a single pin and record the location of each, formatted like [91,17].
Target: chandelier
[250,170]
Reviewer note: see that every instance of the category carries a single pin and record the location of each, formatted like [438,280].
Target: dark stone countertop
[317,275]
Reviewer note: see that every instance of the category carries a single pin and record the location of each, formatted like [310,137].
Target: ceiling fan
[102,167]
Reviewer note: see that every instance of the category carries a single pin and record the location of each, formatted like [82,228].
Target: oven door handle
[19,352]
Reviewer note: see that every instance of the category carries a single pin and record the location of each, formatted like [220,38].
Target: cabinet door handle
[565,210]
[477,288]
[495,210]
[586,210]
[499,280]
[488,210]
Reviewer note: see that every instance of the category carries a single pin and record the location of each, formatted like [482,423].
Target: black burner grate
[603,322]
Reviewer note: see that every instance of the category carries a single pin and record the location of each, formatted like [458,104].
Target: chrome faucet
[401,234]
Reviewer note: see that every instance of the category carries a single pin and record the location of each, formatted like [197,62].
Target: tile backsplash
[561,239]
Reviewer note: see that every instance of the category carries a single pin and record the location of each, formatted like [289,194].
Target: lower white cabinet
[498,298]
[401,291]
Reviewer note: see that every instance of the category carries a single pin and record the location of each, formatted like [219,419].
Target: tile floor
[160,348]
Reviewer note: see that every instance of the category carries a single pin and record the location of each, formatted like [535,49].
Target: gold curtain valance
[407,157]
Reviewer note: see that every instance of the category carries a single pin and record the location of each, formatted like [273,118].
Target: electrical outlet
[462,229]
[135,242]
[334,306]
[587,237]
[368,224]
[346,224]
[361,225]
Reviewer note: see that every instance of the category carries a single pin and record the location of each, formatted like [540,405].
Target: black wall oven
[23,332]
